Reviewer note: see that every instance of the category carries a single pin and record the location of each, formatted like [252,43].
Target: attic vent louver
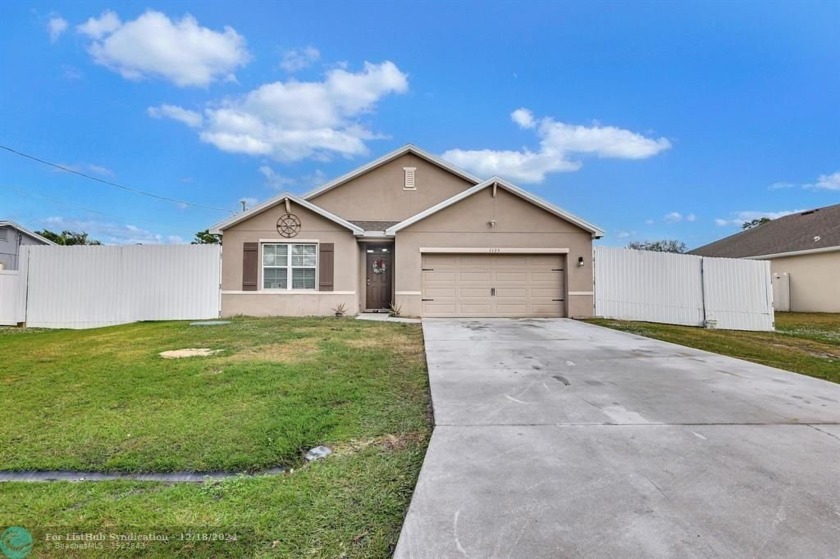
[409,183]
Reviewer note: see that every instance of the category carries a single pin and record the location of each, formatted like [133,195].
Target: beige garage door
[505,285]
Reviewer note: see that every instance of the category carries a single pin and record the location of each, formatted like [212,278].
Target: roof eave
[219,228]
[789,254]
[34,235]
[596,232]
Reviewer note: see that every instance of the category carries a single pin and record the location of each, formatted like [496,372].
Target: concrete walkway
[556,438]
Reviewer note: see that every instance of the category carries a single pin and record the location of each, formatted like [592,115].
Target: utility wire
[109,183]
[76,206]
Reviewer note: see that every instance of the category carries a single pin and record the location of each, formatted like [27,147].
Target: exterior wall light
[580,261]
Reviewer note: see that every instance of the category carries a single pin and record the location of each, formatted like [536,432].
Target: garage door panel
[476,309]
[524,284]
[431,277]
[546,277]
[440,309]
[521,292]
[480,292]
[482,277]
[441,292]
[440,260]
[511,309]
[512,276]
[546,293]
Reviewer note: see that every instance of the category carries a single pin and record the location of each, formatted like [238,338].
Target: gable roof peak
[387,158]
[219,227]
[596,232]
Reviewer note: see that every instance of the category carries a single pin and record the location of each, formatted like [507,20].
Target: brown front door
[379,279]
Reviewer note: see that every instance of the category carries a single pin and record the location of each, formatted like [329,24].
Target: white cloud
[828,182]
[272,179]
[56,26]
[824,182]
[190,118]
[649,222]
[292,120]
[111,233]
[741,217]
[298,59]
[675,217]
[523,117]
[152,45]
[96,28]
[626,234]
[559,142]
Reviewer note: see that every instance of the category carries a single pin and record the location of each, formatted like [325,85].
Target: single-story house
[12,236]
[412,232]
[803,250]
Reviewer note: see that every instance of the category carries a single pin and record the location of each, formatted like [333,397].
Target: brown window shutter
[326,262]
[250,266]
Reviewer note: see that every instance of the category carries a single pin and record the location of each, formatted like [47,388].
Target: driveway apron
[556,438]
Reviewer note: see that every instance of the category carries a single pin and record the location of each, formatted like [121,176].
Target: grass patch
[806,343]
[351,505]
[104,400]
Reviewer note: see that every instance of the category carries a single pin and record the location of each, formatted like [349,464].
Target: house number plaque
[288,225]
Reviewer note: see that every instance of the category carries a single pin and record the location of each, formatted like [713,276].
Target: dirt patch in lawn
[400,343]
[803,347]
[189,352]
[293,351]
[388,442]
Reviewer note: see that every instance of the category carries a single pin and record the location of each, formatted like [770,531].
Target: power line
[109,183]
[69,205]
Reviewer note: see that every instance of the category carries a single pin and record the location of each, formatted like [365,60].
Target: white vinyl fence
[9,299]
[725,293]
[92,286]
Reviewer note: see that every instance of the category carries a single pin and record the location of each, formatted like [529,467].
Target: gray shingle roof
[374,225]
[814,229]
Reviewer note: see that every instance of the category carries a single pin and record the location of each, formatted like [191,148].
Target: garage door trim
[470,284]
[491,250]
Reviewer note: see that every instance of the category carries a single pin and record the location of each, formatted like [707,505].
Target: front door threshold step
[385,317]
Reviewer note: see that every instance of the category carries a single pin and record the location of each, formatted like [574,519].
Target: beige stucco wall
[379,195]
[313,228]
[814,281]
[519,224]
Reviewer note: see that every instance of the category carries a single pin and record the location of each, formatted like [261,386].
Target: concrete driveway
[556,438]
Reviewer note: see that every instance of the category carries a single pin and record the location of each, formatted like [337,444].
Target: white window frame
[289,267]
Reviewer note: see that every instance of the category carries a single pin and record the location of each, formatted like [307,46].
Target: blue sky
[652,120]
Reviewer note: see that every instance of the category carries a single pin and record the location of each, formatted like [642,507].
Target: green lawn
[807,343]
[104,400]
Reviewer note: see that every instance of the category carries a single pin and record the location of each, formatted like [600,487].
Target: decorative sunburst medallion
[288,226]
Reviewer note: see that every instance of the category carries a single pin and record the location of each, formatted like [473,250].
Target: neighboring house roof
[259,208]
[496,182]
[387,158]
[815,230]
[24,230]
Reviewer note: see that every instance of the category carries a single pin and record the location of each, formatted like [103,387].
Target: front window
[289,266]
